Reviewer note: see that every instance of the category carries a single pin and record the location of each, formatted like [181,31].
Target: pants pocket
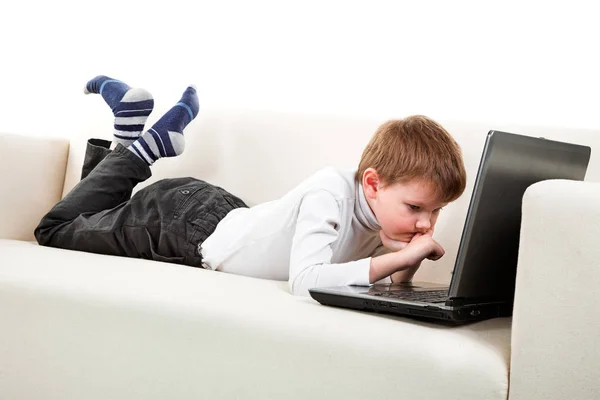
[173,245]
[172,259]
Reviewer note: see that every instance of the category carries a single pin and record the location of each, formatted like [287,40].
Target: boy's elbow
[293,287]
[296,287]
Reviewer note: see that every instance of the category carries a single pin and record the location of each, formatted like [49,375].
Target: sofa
[75,325]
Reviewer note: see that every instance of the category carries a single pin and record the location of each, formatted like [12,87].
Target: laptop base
[438,313]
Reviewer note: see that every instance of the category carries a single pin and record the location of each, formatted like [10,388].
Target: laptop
[483,279]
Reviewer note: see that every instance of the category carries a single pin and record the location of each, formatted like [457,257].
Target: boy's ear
[370,182]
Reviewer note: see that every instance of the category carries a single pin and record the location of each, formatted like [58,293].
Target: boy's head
[409,170]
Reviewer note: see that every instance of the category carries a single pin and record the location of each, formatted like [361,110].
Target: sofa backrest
[32,171]
[259,155]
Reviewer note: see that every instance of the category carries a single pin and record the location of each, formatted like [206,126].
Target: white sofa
[75,325]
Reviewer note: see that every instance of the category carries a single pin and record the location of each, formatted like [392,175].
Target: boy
[335,228]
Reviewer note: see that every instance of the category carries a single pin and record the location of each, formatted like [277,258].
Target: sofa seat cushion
[80,325]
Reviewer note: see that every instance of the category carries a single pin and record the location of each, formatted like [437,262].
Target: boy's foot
[165,138]
[131,107]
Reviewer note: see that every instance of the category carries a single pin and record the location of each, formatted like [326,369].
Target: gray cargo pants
[165,221]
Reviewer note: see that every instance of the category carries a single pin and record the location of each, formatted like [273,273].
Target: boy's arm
[391,264]
[311,253]
[404,276]
[407,257]
[310,259]
[397,277]
[389,245]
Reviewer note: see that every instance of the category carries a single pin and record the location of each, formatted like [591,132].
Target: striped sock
[165,138]
[131,107]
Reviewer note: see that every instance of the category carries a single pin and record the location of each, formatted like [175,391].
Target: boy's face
[403,208]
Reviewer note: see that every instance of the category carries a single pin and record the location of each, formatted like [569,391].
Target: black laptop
[483,281]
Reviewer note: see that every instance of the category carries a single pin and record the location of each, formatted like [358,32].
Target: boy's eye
[414,208]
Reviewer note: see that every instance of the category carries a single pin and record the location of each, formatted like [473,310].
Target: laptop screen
[486,263]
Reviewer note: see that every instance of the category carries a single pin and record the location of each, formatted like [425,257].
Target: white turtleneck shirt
[321,233]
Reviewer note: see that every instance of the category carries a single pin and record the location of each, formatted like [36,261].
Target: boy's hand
[422,246]
[396,245]
[404,256]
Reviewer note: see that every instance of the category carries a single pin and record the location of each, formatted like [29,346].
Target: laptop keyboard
[428,296]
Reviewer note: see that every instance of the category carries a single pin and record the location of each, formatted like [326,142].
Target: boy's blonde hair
[416,147]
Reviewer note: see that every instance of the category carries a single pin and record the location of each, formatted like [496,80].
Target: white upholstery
[99,327]
[556,326]
[33,173]
[78,325]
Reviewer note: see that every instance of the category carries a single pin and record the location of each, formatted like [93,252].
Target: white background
[534,63]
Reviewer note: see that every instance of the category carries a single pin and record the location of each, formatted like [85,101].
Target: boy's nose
[423,225]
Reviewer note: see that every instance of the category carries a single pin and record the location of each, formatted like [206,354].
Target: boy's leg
[130,106]
[96,151]
[171,141]
[108,186]
[165,138]
[98,215]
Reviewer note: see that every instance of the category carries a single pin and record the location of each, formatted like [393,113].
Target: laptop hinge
[455,302]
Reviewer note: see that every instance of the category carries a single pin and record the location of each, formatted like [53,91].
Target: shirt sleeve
[310,259]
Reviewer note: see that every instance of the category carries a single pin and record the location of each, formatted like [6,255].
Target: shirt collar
[363,211]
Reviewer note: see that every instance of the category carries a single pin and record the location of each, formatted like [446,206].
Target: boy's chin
[403,237]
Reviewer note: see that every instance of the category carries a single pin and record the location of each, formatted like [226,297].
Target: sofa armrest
[556,324]
[32,173]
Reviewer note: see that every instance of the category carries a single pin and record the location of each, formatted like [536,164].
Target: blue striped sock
[165,138]
[131,107]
